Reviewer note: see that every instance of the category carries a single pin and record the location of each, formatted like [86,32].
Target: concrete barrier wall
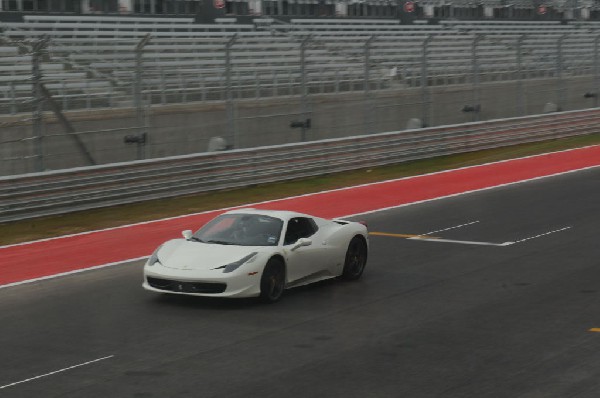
[184,129]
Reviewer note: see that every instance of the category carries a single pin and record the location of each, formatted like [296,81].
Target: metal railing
[59,192]
[390,78]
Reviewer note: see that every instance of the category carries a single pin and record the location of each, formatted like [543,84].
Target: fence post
[425,83]
[303,85]
[37,50]
[137,97]
[231,133]
[368,108]
[559,68]
[596,71]
[476,83]
[520,92]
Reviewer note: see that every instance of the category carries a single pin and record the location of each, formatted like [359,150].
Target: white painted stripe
[332,190]
[77,271]
[544,234]
[56,371]
[465,242]
[449,228]
[462,242]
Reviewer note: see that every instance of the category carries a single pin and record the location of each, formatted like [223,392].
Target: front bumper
[166,280]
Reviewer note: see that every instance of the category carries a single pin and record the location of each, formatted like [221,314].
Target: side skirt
[316,277]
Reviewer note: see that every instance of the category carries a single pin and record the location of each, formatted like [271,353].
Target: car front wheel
[272,283]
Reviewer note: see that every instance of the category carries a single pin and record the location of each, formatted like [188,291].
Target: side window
[299,227]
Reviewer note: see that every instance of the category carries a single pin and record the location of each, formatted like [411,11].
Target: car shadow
[302,293]
[217,303]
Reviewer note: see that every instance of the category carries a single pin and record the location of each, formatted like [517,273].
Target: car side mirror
[187,234]
[301,242]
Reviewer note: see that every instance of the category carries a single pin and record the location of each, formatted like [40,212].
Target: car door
[304,261]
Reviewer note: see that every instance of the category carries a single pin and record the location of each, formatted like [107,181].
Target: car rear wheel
[356,259]
[272,283]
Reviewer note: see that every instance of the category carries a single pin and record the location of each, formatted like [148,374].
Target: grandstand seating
[125,20]
[16,30]
[91,60]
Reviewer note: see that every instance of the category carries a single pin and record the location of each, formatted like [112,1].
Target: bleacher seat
[94,56]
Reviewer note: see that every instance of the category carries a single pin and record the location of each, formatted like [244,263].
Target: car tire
[356,259]
[272,282]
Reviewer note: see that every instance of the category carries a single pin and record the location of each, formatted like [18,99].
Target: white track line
[449,228]
[462,242]
[56,371]
[466,242]
[544,234]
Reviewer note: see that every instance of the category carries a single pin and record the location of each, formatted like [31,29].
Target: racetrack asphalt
[462,317]
[47,258]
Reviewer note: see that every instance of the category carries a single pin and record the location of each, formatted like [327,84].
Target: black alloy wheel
[356,259]
[272,283]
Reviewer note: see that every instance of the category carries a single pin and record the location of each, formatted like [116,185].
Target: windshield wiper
[220,242]
[197,239]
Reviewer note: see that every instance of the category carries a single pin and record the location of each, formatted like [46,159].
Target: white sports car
[249,252]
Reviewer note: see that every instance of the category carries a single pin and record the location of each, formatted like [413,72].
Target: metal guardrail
[58,192]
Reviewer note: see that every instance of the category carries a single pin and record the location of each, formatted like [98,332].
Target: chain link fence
[84,102]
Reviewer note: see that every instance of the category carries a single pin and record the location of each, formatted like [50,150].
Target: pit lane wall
[174,130]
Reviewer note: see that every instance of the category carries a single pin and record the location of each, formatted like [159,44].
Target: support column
[85,7]
[429,10]
[585,14]
[341,9]
[256,7]
[125,6]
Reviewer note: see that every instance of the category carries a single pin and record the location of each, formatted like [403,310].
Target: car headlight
[235,265]
[154,257]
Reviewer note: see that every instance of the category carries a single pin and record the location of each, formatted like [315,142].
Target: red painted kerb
[65,254]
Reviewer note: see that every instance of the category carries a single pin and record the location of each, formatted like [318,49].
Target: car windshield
[241,230]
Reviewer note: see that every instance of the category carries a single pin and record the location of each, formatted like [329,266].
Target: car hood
[190,255]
